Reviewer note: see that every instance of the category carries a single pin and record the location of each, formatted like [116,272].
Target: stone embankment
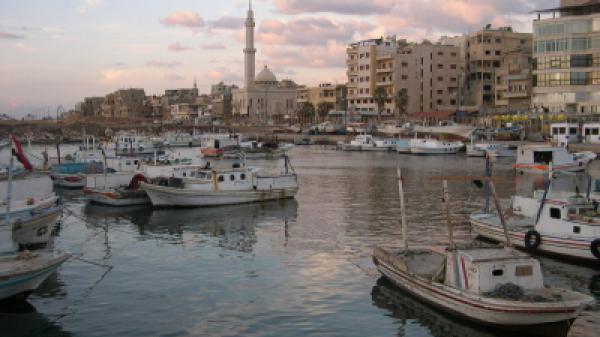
[586,325]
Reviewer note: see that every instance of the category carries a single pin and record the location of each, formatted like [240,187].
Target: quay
[586,325]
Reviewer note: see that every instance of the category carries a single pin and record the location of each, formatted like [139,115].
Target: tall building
[484,52]
[221,95]
[264,99]
[125,103]
[323,93]
[92,106]
[513,87]
[567,57]
[428,73]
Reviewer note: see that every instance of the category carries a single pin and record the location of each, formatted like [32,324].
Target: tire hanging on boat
[595,247]
[533,240]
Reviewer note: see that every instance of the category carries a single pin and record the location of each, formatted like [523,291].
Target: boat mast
[403,209]
[7,217]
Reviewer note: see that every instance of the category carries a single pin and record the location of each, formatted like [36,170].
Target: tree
[306,110]
[380,97]
[323,109]
[401,100]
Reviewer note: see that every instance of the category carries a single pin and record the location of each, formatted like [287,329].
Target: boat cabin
[543,155]
[564,134]
[483,270]
[591,133]
[219,141]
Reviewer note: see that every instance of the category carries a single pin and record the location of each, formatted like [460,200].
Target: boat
[202,186]
[23,273]
[393,128]
[403,146]
[130,144]
[119,196]
[446,128]
[36,229]
[430,146]
[539,158]
[553,221]
[591,133]
[259,150]
[495,286]
[563,134]
[368,143]
[179,139]
[215,145]
[73,175]
[303,141]
[489,149]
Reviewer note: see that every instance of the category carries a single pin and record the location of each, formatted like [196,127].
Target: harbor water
[289,268]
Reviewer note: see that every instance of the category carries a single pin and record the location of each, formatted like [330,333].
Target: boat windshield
[586,213]
[542,157]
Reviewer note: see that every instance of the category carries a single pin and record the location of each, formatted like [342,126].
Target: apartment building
[323,93]
[126,103]
[567,58]
[221,95]
[362,59]
[484,56]
[91,106]
[513,87]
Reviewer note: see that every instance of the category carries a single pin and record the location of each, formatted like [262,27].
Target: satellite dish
[593,169]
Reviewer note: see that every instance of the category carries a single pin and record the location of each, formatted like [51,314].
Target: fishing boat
[179,139]
[430,146]
[130,144]
[215,145]
[552,221]
[73,175]
[539,158]
[23,273]
[496,286]
[403,146]
[120,195]
[489,149]
[368,143]
[446,128]
[202,186]
[269,151]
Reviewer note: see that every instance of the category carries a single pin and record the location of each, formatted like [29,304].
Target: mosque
[263,98]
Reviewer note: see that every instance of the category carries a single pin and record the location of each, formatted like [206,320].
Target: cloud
[214,46]
[178,47]
[333,55]
[10,36]
[359,7]
[228,22]
[189,19]
[174,77]
[223,75]
[86,5]
[164,64]
[310,31]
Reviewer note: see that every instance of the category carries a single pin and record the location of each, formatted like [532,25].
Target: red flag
[18,152]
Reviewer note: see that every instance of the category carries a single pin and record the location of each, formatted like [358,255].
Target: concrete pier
[586,325]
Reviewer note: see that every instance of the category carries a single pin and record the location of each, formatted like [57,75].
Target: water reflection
[22,319]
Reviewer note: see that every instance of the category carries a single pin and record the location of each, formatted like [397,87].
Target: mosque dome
[266,76]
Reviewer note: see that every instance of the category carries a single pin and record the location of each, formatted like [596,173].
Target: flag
[18,152]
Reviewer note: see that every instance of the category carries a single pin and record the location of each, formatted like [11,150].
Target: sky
[57,52]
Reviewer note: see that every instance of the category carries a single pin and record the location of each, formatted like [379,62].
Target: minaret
[249,51]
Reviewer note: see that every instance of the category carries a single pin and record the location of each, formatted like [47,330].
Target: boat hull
[174,197]
[74,181]
[38,229]
[359,148]
[471,307]
[112,198]
[564,247]
[18,286]
[433,151]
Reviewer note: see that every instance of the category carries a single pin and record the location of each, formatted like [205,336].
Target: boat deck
[514,222]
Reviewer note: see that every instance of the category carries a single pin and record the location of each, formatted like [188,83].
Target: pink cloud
[189,19]
[178,47]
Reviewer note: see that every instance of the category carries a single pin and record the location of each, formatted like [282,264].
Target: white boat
[180,139]
[489,149]
[121,195]
[430,146]
[563,134]
[403,146]
[22,274]
[129,144]
[591,133]
[393,128]
[496,286]
[539,158]
[551,222]
[446,128]
[199,186]
[368,143]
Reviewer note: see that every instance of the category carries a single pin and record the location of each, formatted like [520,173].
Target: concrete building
[263,99]
[429,73]
[513,87]
[126,103]
[484,52]
[567,58]
[323,93]
[222,96]
[362,60]
[91,106]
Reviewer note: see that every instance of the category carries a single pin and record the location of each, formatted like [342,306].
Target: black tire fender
[533,239]
[595,247]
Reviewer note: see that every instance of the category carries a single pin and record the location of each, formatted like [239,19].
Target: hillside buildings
[263,98]
[567,58]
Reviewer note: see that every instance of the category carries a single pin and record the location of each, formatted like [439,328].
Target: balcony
[384,57]
[518,94]
[384,70]
[384,84]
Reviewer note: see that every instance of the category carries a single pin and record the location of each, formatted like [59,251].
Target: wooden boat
[539,158]
[119,196]
[496,286]
[553,222]
[22,274]
[200,186]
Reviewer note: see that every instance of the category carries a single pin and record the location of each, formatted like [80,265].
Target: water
[294,268]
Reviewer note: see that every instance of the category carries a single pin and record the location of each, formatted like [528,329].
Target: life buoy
[595,247]
[533,240]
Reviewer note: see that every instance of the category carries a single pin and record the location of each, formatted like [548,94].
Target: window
[555,213]
[572,131]
[576,230]
[243,176]
[498,272]
[521,271]
[221,179]
[232,177]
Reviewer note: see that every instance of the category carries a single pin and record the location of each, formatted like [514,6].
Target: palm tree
[401,100]
[323,109]
[380,96]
